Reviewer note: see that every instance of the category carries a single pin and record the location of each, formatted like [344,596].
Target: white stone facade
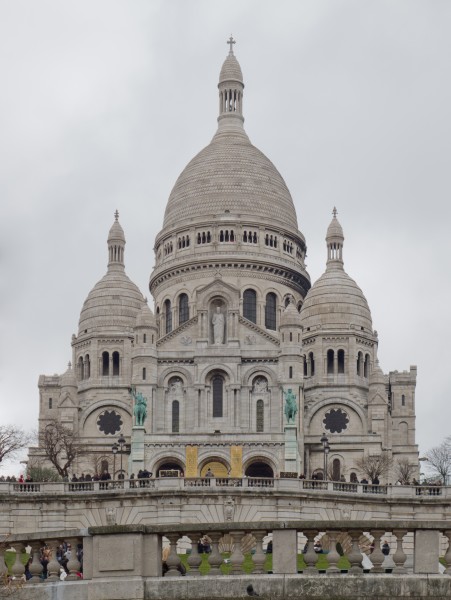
[236,326]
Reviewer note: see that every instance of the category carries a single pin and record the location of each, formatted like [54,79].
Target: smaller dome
[116,233]
[68,377]
[335,230]
[145,316]
[231,70]
[290,316]
[377,376]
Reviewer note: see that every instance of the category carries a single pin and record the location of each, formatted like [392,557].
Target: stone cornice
[177,331]
[259,330]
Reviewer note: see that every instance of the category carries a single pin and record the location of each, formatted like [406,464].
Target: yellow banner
[236,461]
[191,461]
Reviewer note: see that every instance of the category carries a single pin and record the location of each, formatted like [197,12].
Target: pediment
[218,287]
[66,402]
[183,336]
[253,335]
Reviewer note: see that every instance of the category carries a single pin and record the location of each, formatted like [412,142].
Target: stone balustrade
[122,561]
[175,483]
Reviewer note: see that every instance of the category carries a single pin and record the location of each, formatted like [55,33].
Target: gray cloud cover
[104,102]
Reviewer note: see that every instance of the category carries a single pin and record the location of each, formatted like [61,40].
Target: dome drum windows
[226,235]
[271,240]
[168,248]
[335,362]
[183,242]
[250,237]
[110,365]
[204,237]
[288,246]
[84,367]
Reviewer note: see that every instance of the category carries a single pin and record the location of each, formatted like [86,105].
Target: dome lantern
[334,239]
[116,244]
[231,88]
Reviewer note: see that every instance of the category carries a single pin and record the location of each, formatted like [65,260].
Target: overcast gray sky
[104,102]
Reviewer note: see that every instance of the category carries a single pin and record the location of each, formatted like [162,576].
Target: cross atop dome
[116,215]
[334,212]
[231,41]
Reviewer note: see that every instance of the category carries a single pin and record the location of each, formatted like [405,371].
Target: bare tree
[374,466]
[404,471]
[61,446]
[12,440]
[439,460]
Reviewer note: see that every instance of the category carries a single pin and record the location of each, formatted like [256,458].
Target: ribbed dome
[230,175]
[231,70]
[115,301]
[290,316]
[112,304]
[145,316]
[336,301]
[68,377]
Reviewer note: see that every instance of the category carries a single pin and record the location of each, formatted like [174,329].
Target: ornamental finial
[231,41]
[334,212]
[116,215]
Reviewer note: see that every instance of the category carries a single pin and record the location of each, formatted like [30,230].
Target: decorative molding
[258,330]
[183,327]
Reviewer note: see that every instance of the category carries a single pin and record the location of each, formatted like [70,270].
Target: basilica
[241,367]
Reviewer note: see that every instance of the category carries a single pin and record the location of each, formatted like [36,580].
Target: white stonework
[230,247]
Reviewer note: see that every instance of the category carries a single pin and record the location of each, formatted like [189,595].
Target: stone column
[237,556]
[310,557]
[377,557]
[194,559]
[53,568]
[259,557]
[215,558]
[333,557]
[73,565]
[399,557]
[173,560]
[17,570]
[355,555]
[35,566]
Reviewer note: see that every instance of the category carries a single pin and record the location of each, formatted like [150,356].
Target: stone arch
[221,454]
[220,293]
[178,371]
[259,459]
[220,465]
[215,368]
[248,377]
[102,404]
[337,401]
[166,455]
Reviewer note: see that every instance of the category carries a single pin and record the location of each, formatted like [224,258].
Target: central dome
[230,176]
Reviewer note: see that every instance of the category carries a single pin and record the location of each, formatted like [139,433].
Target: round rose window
[109,422]
[336,420]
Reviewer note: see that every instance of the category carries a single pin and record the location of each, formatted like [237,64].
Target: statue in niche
[229,508]
[291,408]
[140,408]
[175,385]
[218,326]
[260,385]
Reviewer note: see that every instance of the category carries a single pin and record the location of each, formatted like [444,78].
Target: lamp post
[114,449]
[326,449]
[121,442]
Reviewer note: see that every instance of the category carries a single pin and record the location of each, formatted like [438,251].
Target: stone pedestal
[291,449]
[426,552]
[137,450]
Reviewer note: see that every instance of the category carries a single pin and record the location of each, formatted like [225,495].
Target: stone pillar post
[73,564]
[173,560]
[377,557]
[259,557]
[194,559]
[53,568]
[399,557]
[17,570]
[310,557]
[285,551]
[426,550]
[215,558]
[35,566]
[237,556]
[355,555]
[333,557]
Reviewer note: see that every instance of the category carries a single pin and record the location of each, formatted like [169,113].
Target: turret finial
[231,41]
[116,215]
[334,212]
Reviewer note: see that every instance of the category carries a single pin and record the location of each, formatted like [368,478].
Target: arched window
[336,469]
[330,362]
[115,364]
[104,466]
[250,305]
[290,372]
[105,364]
[353,478]
[144,373]
[80,368]
[341,361]
[403,400]
[87,369]
[260,417]
[218,391]
[144,338]
[366,366]
[359,364]
[50,403]
[312,363]
[175,416]
[305,367]
[183,308]
[168,315]
[270,311]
